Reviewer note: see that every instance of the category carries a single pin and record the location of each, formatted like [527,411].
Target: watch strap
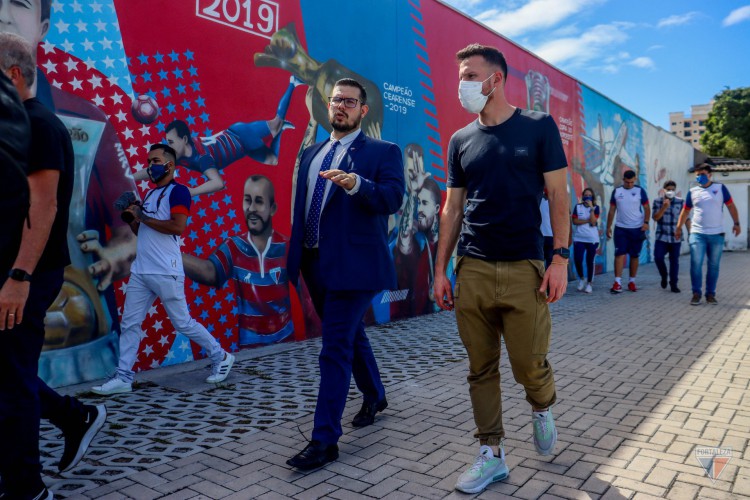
[19,275]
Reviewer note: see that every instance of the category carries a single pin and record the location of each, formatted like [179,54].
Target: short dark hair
[490,54]
[167,150]
[181,128]
[430,185]
[703,166]
[351,82]
[45,7]
[670,182]
[629,174]
[259,177]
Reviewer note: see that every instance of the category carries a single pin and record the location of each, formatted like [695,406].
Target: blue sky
[650,56]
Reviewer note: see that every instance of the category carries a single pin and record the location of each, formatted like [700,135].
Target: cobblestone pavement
[643,380]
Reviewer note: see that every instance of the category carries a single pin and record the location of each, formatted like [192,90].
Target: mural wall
[239,88]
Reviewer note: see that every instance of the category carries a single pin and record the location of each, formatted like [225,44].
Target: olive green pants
[495,299]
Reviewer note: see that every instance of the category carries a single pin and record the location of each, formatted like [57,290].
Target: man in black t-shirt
[14,188]
[26,292]
[498,167]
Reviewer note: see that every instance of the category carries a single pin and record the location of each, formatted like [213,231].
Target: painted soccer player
[260,140]
[256,263]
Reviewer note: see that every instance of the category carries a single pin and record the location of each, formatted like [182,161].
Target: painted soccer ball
[145,109]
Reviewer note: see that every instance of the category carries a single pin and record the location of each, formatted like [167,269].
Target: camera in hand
[122,203]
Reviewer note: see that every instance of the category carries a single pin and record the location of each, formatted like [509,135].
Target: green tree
[728,125]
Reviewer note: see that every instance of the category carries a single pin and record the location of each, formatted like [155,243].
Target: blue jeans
[702,245]
[661,248]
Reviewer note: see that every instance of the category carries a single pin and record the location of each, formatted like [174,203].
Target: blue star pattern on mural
[97,43]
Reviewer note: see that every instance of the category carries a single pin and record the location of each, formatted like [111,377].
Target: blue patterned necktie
[313,216]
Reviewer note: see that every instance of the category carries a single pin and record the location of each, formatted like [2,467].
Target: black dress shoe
[664,282]
[366,415]
[675,289]
[315,454]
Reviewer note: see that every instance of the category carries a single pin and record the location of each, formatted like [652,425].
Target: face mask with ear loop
[471,97]
[157,171]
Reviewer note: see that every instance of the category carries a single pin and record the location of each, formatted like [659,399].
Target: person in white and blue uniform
[707,201]
[630,203]
[157,271]
[585,218]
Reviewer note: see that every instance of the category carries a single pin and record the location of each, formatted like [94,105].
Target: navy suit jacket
[353,234]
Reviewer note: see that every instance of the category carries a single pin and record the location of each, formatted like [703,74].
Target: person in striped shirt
[256,263]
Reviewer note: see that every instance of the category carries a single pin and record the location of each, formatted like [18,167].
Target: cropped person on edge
[585,238]
[31,276]
[548,242]
[499,165]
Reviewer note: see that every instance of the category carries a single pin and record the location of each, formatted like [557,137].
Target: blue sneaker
[545,433]
[487,468]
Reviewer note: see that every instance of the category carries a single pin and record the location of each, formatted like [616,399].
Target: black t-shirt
[501,168]
[14,190]
[52,149]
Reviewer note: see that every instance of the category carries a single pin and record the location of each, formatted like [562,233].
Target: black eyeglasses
[349,102]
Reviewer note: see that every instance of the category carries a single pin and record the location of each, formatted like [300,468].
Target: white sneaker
[112,386]
[219,372]
[589,288]
[581,285]
[486,469]
[545,432]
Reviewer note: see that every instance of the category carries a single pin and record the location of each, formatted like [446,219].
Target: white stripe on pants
[140,295]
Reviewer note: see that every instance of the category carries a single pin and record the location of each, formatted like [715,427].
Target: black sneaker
[79,435]
[664,282]
[675,289]
[45,494]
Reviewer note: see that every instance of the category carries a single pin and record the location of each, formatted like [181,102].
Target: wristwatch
[562,252]
[19,275]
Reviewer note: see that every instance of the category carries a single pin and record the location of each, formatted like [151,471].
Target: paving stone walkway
[644,380]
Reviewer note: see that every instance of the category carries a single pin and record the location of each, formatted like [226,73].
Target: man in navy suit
[347,187]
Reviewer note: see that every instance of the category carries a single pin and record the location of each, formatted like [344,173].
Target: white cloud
[566,30]
[677,19]
[655,47]
[577,51]
[643,62]
[533,15]
[737,16]
[464,5]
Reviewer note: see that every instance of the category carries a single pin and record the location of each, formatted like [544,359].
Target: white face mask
[669,194]
[471,97]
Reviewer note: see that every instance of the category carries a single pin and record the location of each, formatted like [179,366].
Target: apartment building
[691,127]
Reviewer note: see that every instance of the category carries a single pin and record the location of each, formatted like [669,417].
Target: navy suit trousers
[346,350]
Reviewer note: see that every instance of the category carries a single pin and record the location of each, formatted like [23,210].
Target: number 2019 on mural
[259,17]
